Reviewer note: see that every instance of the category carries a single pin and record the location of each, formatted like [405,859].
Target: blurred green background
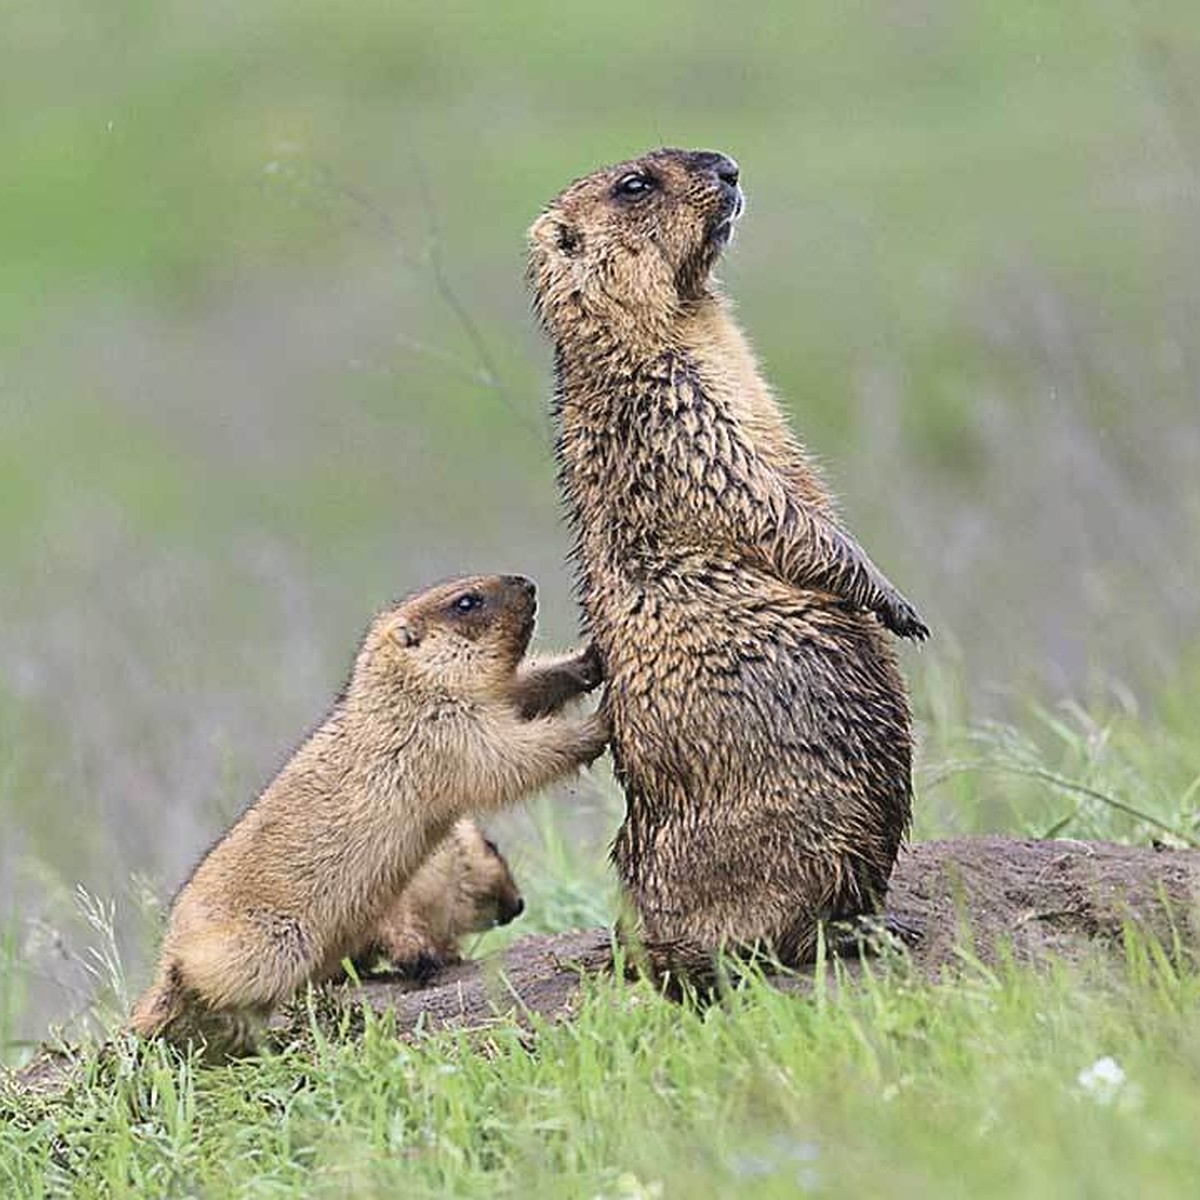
[266,360]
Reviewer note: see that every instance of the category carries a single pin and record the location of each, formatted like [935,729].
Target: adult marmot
[464,886]
[760,727]
[426,730]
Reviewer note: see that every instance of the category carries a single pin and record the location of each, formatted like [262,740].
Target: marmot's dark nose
[519,581]
[721,165]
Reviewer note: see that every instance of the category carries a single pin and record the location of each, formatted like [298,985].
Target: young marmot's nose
[519,581]
[721,165]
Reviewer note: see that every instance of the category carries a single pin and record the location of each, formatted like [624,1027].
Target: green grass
[997,1083]
[894,1087]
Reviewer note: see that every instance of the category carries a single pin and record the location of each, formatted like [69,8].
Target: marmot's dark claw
[902,619]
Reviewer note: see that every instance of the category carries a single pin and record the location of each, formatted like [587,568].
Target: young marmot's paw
[588,668]
[423,967]
[901,618]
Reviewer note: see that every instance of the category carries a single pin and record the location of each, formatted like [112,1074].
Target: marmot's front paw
[424,966]
[901,618]
[588,667]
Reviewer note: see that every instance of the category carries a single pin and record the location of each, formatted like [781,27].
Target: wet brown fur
[427,730]
[464,886]
[761,729]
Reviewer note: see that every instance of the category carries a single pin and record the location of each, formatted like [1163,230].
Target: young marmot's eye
[467,602]
[633,186]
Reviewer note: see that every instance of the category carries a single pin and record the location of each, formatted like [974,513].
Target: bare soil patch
[973,898]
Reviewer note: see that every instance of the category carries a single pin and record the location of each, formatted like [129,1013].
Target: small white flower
[630,1187]
[1103,1081]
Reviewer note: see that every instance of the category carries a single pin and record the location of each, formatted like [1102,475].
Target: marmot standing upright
[426,730]
[760,726]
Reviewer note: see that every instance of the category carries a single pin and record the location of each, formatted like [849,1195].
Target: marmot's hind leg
[683,969]
[160,1005]
[171,1011]
[679,970]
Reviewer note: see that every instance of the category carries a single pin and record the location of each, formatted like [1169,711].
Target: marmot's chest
[655,521]
[650,465]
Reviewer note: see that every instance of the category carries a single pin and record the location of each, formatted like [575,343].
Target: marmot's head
[488,894]
[632,245]
[464,637]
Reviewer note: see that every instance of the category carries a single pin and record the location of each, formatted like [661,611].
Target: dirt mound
[976,895]
[1041,898]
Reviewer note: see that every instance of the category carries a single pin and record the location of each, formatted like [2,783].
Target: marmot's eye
[468,601]
[633,186]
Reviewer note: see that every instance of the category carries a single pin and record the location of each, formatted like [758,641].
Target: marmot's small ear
[570,241]
[405,634]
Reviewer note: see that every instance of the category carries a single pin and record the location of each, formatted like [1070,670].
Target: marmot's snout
[522,597]
[721,165]
[520,584]
[731,200]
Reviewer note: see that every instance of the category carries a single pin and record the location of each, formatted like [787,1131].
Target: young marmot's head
[488,893]
[633,244]
[464,637]
[463,887]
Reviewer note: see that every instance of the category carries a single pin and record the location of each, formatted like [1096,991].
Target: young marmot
[465,886]
[760,727]
[427,729]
